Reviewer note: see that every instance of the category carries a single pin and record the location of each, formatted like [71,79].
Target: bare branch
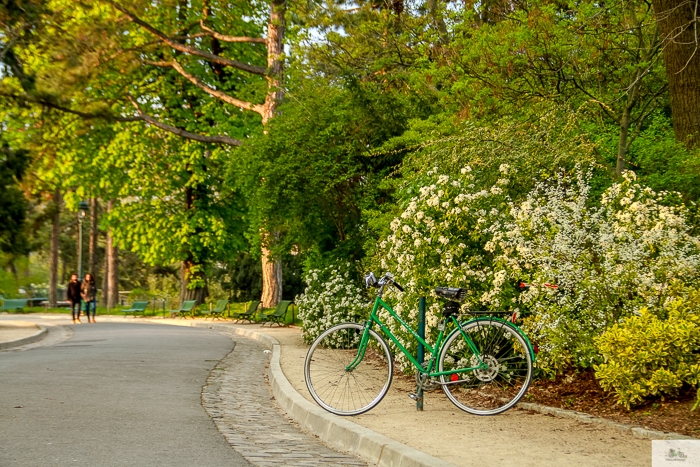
[221,37]
[257,70]
[218,94]
[219,139]
[29,99]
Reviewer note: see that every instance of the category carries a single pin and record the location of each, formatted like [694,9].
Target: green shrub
[648,355]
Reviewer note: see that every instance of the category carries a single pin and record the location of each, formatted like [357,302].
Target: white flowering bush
[439,240]
[609,261]
[332,296]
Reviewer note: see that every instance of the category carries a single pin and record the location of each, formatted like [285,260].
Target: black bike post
[421,350]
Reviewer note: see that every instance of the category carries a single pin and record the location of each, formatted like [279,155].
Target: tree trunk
[272,267]
[92,260]
[676,22]
[53,260]
[12,269]
[105,281]
[112,267]
[438,22]
[275,40]
[191,272]
[272,279]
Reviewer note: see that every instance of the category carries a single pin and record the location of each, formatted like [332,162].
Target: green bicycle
[484,365]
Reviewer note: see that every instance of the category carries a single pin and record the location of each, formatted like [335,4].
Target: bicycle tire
[495,389]
[342,391]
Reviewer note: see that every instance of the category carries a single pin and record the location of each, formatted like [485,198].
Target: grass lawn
[159,312]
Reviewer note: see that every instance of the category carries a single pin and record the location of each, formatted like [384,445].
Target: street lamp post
[83,209]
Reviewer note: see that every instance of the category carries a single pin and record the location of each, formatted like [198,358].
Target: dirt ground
[582,392]
[514,438]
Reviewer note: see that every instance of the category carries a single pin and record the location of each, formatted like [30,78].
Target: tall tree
[678,23]
[112,272]
[92,245]
[121,65]
[53,255]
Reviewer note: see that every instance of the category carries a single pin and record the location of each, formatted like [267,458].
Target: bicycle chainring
[424,381]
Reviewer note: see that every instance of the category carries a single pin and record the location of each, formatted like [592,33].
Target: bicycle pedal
[414,397]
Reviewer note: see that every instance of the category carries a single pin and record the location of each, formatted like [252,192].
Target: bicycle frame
[434,351]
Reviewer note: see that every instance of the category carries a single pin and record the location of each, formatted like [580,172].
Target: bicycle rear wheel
[335,383]
[491,390]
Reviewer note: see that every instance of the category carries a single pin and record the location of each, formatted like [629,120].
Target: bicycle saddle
[451,293]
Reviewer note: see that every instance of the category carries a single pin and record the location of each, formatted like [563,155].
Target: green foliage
[310,175]
[13,205]
[664,164]
[648,355]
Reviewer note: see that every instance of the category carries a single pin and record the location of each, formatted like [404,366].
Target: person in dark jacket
[88,291]
[73,296]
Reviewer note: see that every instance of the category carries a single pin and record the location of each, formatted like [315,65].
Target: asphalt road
[113,395]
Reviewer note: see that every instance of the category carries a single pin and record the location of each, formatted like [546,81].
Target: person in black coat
[73,296]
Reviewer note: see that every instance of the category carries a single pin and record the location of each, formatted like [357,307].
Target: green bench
[136,308]
[278,315]
[14,305]
[249,313]
[186,309]
[217,312]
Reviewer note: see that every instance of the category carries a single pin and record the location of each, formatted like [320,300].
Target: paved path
[235,396]
[113,395]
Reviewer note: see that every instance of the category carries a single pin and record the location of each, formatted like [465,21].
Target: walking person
[73,296]
[88,291]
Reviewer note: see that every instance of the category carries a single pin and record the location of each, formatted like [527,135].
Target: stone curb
[40,334]
[334,430]
[636,431]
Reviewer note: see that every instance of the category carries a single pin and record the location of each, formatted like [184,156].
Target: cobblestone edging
[251,420]
[40,334]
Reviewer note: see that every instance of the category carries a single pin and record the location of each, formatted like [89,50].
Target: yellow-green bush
[648,355]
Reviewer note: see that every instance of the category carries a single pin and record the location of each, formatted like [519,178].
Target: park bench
[217,312]
[14,305]
[249,313]
[59,304]
[36,301]
[137,308]
[278,315]
[186,309]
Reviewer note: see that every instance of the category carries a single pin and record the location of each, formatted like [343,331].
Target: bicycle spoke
[346,391]
[504,380]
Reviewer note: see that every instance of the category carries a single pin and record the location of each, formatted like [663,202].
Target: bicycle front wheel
[504,380]
[341,378]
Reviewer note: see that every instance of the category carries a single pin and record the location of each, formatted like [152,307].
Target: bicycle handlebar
[388,278]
